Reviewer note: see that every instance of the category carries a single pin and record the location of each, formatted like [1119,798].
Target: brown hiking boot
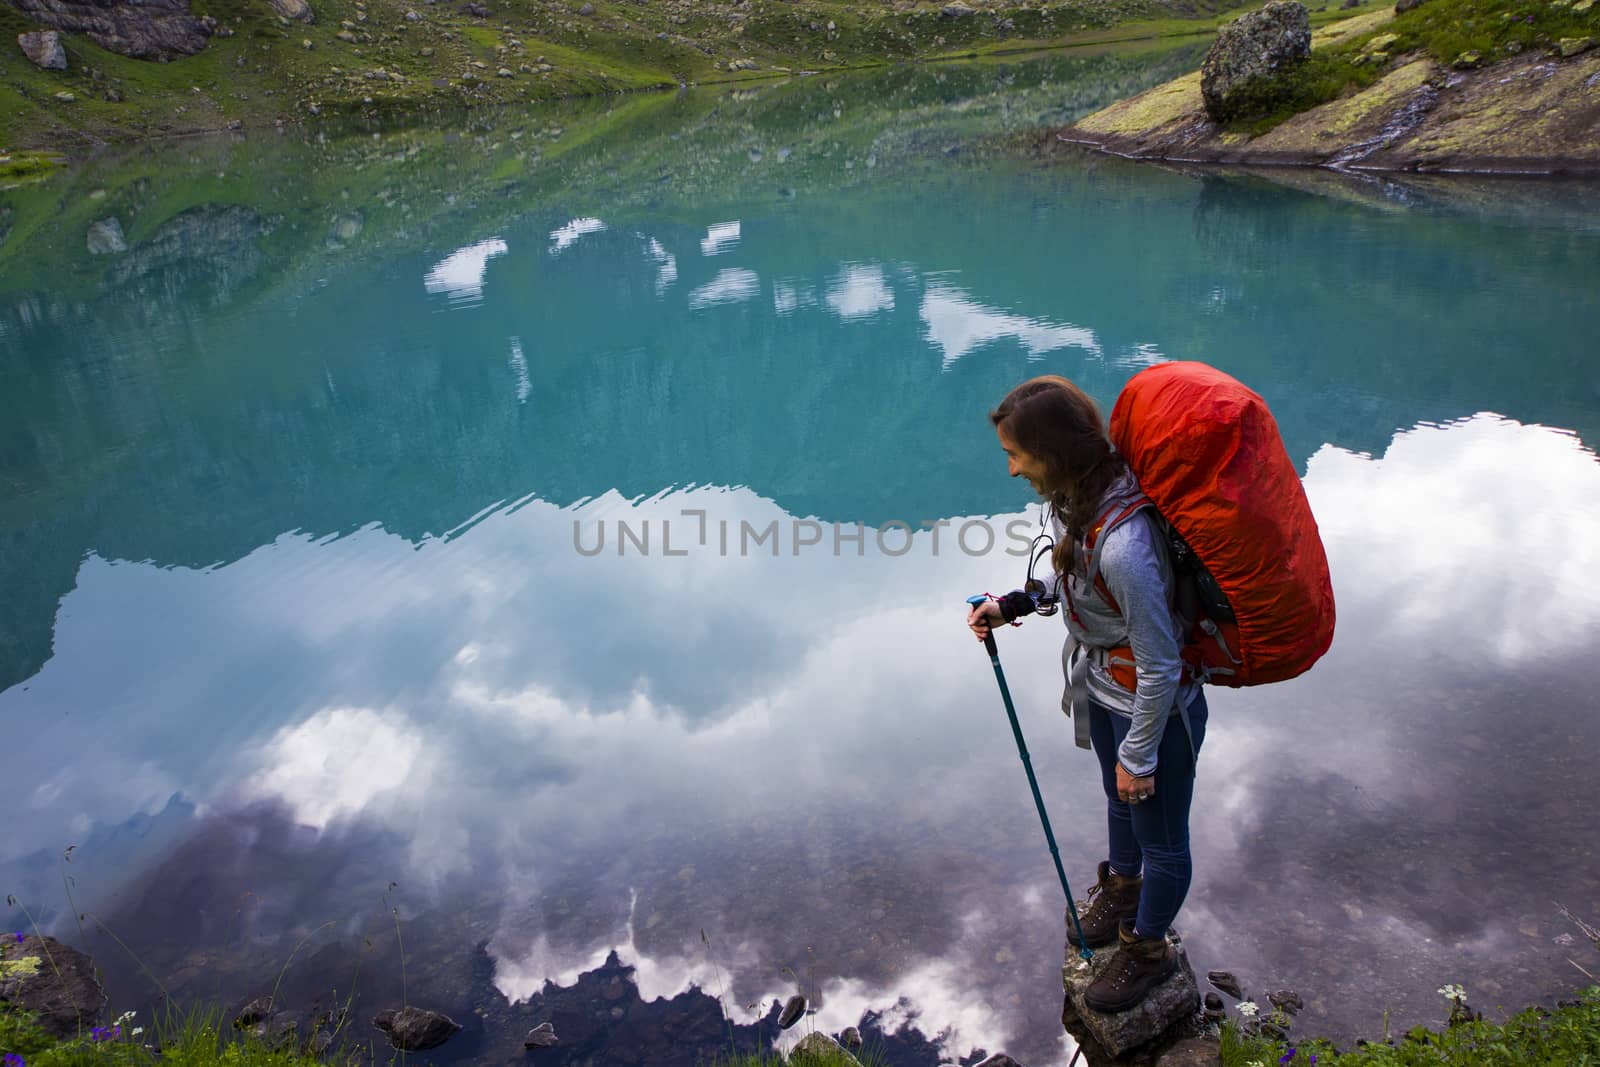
[1141,964]
[1113,898]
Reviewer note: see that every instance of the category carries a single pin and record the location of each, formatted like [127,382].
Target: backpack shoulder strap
[1119,512]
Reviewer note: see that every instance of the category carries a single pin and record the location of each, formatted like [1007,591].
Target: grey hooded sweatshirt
[1134,564]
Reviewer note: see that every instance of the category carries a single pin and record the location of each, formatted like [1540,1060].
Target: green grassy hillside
[379,58]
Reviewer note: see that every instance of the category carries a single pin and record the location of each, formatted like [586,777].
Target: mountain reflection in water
[299,604]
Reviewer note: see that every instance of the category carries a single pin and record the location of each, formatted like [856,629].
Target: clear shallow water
[297,494]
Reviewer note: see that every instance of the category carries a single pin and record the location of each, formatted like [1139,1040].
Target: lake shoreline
[379,60]
[1530,114]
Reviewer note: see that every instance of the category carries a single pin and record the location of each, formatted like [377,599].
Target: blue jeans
[1153,834]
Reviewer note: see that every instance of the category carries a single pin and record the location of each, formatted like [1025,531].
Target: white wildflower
[124,1017]
[1453,992]
[137,1030]
[1248,1008]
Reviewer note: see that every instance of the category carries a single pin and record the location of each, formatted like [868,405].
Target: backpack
[1252,575]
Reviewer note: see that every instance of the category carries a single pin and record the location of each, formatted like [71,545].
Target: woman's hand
[983,616]
[1131,789]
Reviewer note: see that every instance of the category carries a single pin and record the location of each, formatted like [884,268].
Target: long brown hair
[1053,420]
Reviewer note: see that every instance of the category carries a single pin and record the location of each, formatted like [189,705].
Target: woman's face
[1022,464]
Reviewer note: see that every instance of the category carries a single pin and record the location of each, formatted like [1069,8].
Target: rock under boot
[1141,964]
[1111,899]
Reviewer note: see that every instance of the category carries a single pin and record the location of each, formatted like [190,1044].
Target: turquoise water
[554,527]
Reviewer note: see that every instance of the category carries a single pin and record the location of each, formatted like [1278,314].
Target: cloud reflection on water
[460,275]
[565,236]
[956,324]
[804,755]
[735,285]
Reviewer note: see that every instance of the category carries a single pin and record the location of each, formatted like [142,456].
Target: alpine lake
[515,564]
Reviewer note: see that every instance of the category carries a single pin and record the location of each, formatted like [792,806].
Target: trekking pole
[1033,782]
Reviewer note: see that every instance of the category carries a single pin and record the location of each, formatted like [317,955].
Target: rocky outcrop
[1169,1006]
[1530,114]
[43,48]
[51,981]
[151,29]
[1250,50]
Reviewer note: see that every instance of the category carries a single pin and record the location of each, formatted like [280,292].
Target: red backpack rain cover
[1207,453]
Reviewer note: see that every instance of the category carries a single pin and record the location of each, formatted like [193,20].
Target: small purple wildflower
[13,1060]
[105,1033]
[1288,1055]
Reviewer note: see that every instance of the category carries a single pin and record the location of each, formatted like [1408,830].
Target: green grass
[264,74]
[869,1056]
[1258,106]
[1444,30]
[1569,1036]
[198,1040]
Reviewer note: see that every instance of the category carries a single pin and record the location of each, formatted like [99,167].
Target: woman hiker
[1053,436]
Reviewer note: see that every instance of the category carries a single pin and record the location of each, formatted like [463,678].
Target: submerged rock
[792,1011]
[53,982]
[253,1013]
[1287,1000]
[1227,983]
[1251,49]
[43,48]
[416,1029]
[541,1036]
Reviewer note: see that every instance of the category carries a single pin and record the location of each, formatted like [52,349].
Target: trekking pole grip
[988,638]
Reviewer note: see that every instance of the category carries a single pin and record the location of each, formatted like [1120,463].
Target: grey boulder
[1251,49]
[818,1047]
[294,10]
[43,48]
